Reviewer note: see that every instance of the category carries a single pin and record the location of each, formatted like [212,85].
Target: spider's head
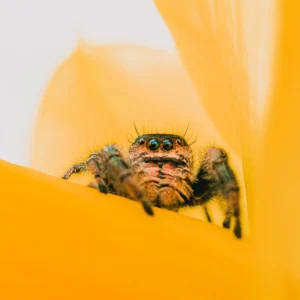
[168,150]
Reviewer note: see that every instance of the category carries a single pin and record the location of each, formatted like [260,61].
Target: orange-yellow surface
[60,240]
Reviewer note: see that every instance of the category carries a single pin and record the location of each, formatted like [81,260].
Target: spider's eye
[168,145]
[179,142]
[142,141]
[153,144]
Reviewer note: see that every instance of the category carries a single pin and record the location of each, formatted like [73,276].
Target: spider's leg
[118,175]
[215,177]
[77,168]
[95,168]
[207,214]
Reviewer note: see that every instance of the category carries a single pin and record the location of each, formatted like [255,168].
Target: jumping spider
[158,171]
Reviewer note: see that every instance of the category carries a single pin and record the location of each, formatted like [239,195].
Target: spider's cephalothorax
[158,170]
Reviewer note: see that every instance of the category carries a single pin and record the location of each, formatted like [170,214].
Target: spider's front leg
[215,177]
[113,175]
[91,165]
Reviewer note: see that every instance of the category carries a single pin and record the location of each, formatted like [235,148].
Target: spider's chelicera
[158,171]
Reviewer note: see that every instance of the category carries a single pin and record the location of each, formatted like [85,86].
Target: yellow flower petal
[209,39]
[63,241]
[277,226]
[98,94]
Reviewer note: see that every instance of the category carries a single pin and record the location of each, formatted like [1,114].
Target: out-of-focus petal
[276,230]
[210,40]
[98,93]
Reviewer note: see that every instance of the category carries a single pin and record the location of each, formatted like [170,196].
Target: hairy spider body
[165,176]
[158,170]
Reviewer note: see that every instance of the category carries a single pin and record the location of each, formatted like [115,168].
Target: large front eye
[153,144]
[168,145]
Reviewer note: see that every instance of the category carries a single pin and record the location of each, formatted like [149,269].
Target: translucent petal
[97,95]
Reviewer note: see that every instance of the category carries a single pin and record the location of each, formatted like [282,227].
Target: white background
[36,35]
